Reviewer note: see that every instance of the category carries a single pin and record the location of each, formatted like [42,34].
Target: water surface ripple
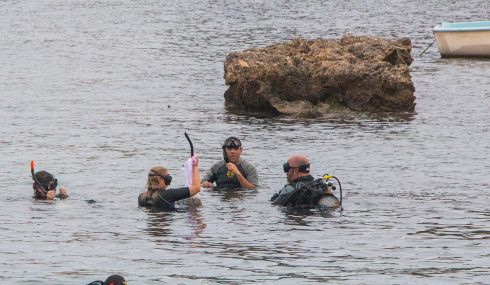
[97,92]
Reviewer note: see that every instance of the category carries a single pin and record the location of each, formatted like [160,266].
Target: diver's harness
[308,194]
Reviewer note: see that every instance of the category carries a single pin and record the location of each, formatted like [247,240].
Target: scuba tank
[331,187]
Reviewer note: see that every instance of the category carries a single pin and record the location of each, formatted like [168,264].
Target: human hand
[207,184]
[50,194]
[233,168]
[63,192]
[195,160]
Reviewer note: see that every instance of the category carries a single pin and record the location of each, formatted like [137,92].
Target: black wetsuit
[164,200]
[305,191]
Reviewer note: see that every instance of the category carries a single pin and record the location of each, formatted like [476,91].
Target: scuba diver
[157,194]
[233,171]
[303,189]
[44,185]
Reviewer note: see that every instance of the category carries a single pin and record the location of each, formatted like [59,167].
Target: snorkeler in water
[233,171]
[44,185]
[159,196]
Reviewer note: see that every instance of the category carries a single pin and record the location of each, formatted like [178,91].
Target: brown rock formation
[310,77]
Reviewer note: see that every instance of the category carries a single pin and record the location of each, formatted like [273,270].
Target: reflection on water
[196,222]
[99,91]
[338,116]
[300,216]
[232,195]
[159,222]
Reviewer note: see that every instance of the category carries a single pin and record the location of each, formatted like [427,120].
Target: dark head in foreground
[111,280]
[303,190]
[115,280]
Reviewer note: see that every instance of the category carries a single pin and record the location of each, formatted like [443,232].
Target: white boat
[463,39]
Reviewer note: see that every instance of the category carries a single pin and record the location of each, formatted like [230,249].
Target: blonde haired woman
[158,195]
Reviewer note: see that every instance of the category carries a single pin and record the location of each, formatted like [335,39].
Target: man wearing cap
[233,171]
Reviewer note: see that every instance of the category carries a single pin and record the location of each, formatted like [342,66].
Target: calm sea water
[97,92]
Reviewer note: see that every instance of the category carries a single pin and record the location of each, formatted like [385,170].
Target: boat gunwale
[459,30]
[478,26]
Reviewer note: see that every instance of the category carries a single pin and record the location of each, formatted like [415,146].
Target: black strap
[303,189]
[190,143]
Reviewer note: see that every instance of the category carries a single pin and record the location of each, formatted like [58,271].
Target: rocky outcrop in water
[313,77]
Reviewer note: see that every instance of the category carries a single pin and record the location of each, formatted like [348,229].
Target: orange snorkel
[42,191]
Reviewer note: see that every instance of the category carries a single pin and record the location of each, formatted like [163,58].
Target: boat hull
[463,39]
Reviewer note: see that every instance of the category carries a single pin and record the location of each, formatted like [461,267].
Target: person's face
[233,153]
[161,182]
[292,173]
[52,184]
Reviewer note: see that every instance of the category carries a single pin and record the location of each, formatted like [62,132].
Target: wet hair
[232,142]
[115,280]
[152,183]
[47,180]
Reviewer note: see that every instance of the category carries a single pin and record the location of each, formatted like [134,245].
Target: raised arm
[251,181]
[195,187]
